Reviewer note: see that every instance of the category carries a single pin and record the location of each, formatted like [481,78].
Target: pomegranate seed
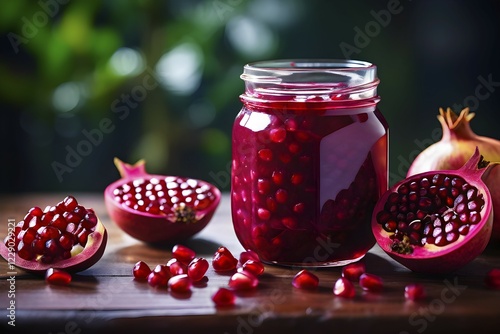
[415,292]
[29,236]
[52,248]
[263,186]
[160,276]
[82,237]
[89,220]
[197,269]
[224,297]
[299,208]
[180,283]
[289,222]
[59,222]
[223,260]
[33,212]
[370,282]
[294,148]
[254,267]
[277,135]
[281,196]
[263,214]
[70,203]
[277,177]
[141,271]
[25,251]
[291,124]
[265,154]
[297,179]
[48,232]
[353,271]
[177,267]
[248,255]
[492,278]
[57,277]
[304,279]
[344,288]
[183,253]
[243,280]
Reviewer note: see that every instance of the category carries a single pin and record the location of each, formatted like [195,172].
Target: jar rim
[307,79]
[283,70]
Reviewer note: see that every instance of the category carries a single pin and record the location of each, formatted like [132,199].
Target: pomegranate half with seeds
[158,208]
[438,221]
[65,236]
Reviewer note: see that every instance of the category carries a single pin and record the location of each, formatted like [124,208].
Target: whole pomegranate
[452,151]
[438,221]
[159,208]
[65,236]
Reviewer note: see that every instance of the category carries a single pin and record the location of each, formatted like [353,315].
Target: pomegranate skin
[434,259]
[93,251]
[154,228]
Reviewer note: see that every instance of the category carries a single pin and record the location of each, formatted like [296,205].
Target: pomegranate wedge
[66,236]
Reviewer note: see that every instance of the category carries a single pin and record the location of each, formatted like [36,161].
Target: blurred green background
[160,79]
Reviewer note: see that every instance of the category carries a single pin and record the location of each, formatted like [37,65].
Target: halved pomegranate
[65,236]
[438,221]
[159,208]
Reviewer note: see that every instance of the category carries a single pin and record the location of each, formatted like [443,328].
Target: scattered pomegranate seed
[305,280]
[344,288]
[141,271]
[353,271]
[415,292]
[197,269]
[177,267]
[254,267]
[492,278]
[183,253]
[243,280]
[160,276]
[370,282]
[223,260]
[180,283]
[224,297]
[248,255]
[57,277]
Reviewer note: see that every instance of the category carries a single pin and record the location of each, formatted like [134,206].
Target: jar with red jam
[309,161]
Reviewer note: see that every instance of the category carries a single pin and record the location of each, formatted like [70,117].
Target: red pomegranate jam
[309,163]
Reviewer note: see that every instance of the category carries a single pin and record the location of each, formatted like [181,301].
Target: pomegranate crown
[127,170]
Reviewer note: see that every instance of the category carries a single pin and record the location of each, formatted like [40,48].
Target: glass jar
[309,161]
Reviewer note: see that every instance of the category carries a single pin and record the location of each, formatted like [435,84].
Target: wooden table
[105,298]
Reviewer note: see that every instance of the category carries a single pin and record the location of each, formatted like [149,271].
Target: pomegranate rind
[433,259]
[152,228]
[90,255]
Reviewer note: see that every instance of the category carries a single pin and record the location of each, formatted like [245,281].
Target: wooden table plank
[105,298]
